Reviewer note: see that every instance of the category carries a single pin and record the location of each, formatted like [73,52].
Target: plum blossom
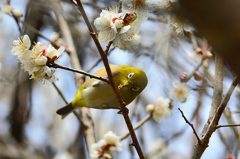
[179,24]
[162,109]
[120,28]
[180,91]
[106,147]
[7,9]
[36,61]
[141,7]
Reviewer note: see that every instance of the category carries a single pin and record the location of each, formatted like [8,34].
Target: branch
[194,71]
[222,126]
[216,110]
[140,123]
[110,77]
[194,131]
[230,121]
[98,61]
[54,65]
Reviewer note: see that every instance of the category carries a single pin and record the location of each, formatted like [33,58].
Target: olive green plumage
[98,94]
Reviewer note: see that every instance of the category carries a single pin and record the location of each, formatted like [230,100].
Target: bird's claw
[125,112]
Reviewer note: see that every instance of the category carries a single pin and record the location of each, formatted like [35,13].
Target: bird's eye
[135,89]
[130,75]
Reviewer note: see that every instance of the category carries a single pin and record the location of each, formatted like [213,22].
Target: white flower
[119,28]
[21,45]
[7,9]
[36,61]
[52,53]
[17,13]
[106,147]
[179,24]
[180,91]
[141,7]
[131,45]
[162,110]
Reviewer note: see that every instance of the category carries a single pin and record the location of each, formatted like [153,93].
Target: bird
[98,94]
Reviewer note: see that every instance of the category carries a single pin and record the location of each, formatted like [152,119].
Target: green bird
[98,94]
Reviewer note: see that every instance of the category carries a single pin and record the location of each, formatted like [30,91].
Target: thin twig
[17,21]
[54,65]
[231,125]
[60,93]
[231,121]
[140,123]
[194,71]
[99,60]
[194,131]
[122,104]
[64,99]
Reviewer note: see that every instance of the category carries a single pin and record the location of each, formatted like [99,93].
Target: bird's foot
[125,112]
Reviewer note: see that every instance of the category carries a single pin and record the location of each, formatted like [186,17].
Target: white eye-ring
[135,89]
[130,75]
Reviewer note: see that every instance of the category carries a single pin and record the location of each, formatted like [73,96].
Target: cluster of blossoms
[161,110]
[107,147]
[123,28]
[7,9]
[36,61]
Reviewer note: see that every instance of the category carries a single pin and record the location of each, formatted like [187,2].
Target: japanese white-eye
[98,94]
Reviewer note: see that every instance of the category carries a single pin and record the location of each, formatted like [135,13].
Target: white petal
[41,60]
[60,51]
[48,71]
[50,51]
[125,29]
[26,40]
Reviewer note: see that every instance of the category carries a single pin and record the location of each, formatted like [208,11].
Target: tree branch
[222,126]
[194,131]
[109,73]
[140,123]
[54,65]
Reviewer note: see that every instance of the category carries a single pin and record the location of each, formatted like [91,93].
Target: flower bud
[183,76]
[110,138]
[198,76]
[208,54]
[118,23]
[199,51]
[17,13]
[150,108]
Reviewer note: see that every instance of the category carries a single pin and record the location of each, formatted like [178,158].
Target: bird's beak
[124,85]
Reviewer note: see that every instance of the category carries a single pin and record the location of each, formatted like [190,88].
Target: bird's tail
[64,111]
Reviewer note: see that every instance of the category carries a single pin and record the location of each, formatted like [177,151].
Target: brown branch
[231,121]
[194,131]
[54,65]
[194,71]
[214,116]
[109,73]
[99,60]
[231,125]
[140,123]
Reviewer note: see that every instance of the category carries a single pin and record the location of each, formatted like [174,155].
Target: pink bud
[183,76]
[198,76]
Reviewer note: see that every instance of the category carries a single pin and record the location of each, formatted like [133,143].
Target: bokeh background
[30,128]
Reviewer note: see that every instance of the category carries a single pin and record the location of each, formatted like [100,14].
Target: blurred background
[30,128]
